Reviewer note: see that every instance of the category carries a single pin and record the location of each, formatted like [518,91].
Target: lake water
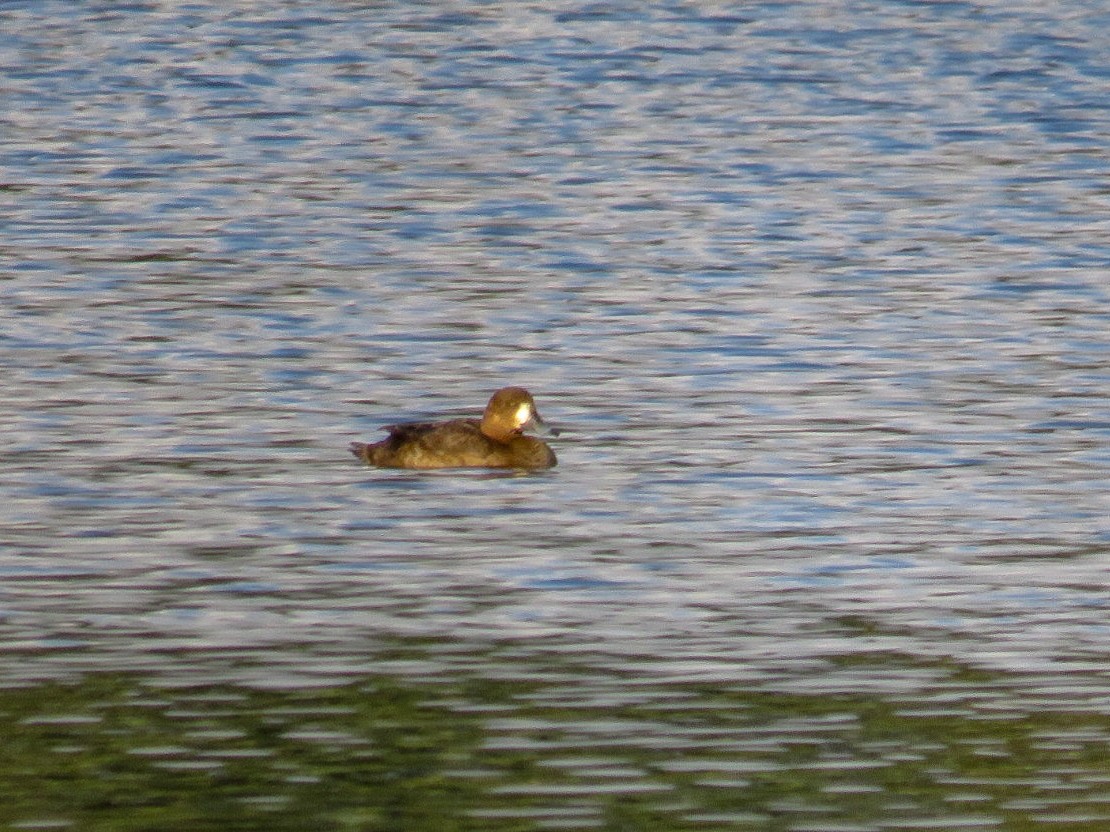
[819,294]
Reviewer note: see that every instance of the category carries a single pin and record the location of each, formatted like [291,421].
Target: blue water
[818,294]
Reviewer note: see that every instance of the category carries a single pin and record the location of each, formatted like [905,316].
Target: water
[817,293]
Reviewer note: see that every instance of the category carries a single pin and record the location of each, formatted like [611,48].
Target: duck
[496,440]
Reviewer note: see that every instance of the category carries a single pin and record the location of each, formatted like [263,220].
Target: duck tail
[361,450]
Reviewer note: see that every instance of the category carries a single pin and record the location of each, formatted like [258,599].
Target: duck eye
[523,413]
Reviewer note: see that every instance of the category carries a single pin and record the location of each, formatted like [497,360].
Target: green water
[109,752]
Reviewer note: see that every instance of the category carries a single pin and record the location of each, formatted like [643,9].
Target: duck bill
[540,425]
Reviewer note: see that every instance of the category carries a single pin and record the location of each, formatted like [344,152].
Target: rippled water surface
[818,293]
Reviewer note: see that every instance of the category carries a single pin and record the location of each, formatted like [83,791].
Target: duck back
[458,443]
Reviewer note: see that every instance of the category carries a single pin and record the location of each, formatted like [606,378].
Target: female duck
[495,441]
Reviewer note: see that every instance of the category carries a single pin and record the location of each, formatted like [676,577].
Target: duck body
[496,440]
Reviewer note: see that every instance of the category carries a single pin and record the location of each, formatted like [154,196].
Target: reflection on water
[552,746]
[817,295]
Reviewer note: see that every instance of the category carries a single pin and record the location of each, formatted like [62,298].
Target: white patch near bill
[523,413]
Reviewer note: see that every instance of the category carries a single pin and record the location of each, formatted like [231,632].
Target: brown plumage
[496,440]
